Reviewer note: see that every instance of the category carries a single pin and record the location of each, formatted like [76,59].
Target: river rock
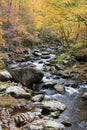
[47,63]
[27,106]
[66,62]
[1,126]
[50,125]
[8,122]
[2,88]
[5,75]
[46,68]
[38,98]
[26,75]
[53,105]
[66,123]
[59,67]
[60,89]
[45,56]
[49,84]
[33,127]
[17,92]
[54,125]
[81,54]
[27,51]
[55,114]
[84,95]
[24,118]
[36,50]
[45,53]
[37,53]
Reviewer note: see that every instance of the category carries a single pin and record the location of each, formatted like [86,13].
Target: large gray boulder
[26,75]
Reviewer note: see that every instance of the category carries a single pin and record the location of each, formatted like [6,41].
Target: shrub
[48,36]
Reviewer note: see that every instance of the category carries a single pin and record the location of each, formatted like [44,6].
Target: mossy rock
[5,84]
[1,65]
[81,55]
[6,101]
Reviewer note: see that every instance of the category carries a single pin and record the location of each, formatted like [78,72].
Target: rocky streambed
[34,96]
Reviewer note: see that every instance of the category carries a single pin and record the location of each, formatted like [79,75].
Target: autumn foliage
[67,20]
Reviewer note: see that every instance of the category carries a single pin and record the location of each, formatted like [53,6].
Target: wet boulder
[38,98]
[37,53]
[1,126]
[55,114]
[26,75]
[60,89]
[44,124]
[49,84]
[66,123]
[53,105]
[17,92]
[33,127]
[84,95]
[50,125]
[45,53]
[59,67]
[45,56]
[5,75]
[53,125]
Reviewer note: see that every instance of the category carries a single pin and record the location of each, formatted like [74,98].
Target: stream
[76,111]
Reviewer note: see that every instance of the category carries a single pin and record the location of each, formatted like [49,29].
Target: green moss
[79,49]
[30,91]
[62,57]
[80,45]
[5,84]
[1,65]
[66,55]
[8,101]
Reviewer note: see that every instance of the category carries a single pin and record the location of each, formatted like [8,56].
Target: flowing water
[76,111]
